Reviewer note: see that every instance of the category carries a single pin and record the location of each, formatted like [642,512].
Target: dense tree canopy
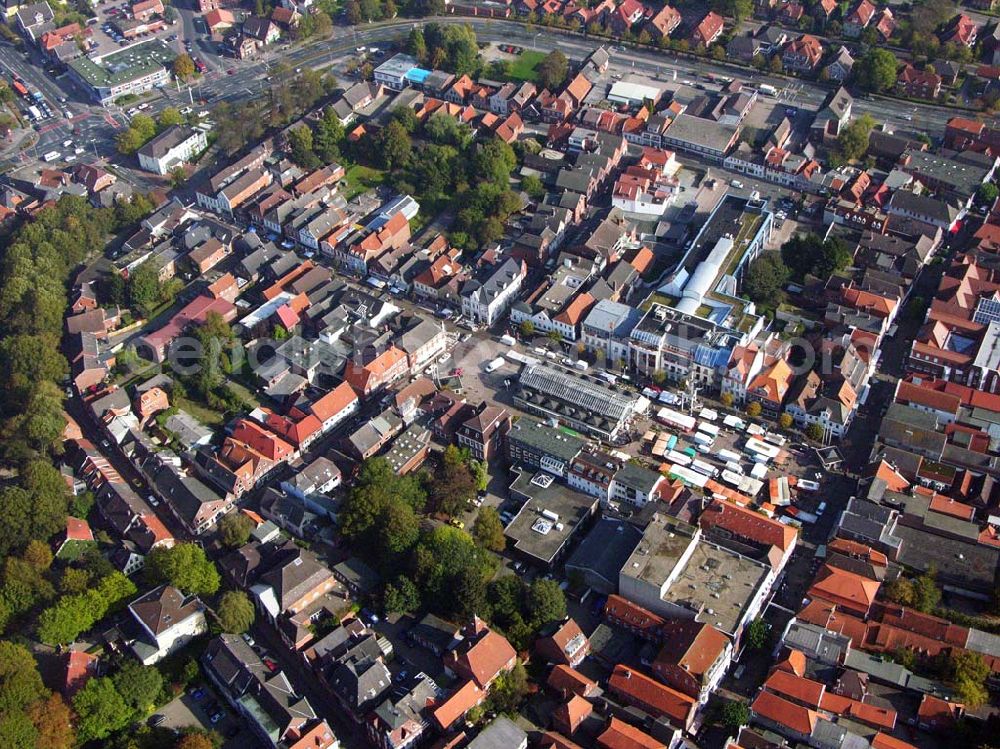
[235,612]
[235,529]
[552,70]
[100,708]
[876,70]
[809,254]
[765,279]
[184,566]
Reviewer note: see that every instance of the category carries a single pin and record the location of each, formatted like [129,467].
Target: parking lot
[196,708]
[113,18]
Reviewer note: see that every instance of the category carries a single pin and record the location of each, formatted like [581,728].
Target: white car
[443,358]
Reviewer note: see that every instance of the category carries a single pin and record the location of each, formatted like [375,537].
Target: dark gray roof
[295,572]
[502,733]
[606,548]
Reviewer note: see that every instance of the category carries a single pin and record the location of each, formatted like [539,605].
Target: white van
[507,340]
[495,364]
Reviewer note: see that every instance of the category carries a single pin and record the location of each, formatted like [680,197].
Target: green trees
[72,615]
[378,516]
[183,66]
[416,45]
[401,596]
[853,139]
[968,671]
[453,48]
[533,186]
[753,409]
[876,70]
[37,508]
[300,142]
[20,683]
[552,70]
[168,117]
[328,137]
[520,610]
[100,710]
[545,602]
[451,571]
[987,194]
[30,717]
[808,254]
[140,130]
[735,714]
[235,612]
[453,486]
[488,530]
[139,686]
[393,146]
[758,633]
[765,279]
[234,529]
[184,566]
[814,432]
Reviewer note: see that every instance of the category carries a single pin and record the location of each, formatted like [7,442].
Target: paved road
[96,126]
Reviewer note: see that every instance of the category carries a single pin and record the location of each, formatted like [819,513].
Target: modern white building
[168,620]
[171,148]
[483,302]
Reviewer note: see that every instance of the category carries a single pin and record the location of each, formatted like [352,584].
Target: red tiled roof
[334,402]
[620,735]
[264,442]
[844,588]
[796,688]
[884,741]
[653,697]
[566,680]
[878,717]
[320,736]
[748,524]
[78,530]
[458,704]
[800,719]
[487,657]
[79,666]
[632,614]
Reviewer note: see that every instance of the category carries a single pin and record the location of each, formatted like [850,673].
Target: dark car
[157,720]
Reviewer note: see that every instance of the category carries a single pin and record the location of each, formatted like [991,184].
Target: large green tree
[853,139]
[765,279]
[488,530]
[875,71]
[552,70]
[184,566]
[453,486]
[139,686]
[100,709]
[235,529]
[235,612]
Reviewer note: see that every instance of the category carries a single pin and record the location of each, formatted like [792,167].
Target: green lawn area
[359,179]
[524,68]
[200,411]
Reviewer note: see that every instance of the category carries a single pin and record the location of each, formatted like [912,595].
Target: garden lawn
[359,179]
[525,67]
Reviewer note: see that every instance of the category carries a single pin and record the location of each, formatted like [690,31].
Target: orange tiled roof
[800,719]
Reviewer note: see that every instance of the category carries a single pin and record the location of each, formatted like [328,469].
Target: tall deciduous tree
[235,612]
[100,709]
[184,566]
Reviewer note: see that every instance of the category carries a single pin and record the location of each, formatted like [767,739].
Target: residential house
[918,84]
[481,656]
[709,29]
[168,620]
[803,55]
[172,148]
[563,643]
[485,300]
[858,19]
